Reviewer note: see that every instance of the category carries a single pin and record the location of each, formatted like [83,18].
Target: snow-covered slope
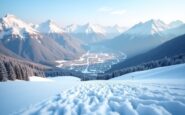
[94,28]
[115,29]
[143,37]
[170,49]
[90,33]
[162,96]
[150,27]
[11,25]
[87,28]
[72,46]
[49,27]
[16,95]
[115,97]
[25,41]
[157,27]
[175,31]
[176,72]
[175,24]
[39,79]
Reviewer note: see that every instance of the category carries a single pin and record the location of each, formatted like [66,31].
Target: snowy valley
[92,62]
[122,80]
[79,57]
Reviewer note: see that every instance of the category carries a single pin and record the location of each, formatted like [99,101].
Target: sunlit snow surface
[116,97]
[161,73]
[133,96]
[16,95]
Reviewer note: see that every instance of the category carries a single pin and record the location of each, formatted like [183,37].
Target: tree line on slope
[12,69]
[166,61]
[53,72]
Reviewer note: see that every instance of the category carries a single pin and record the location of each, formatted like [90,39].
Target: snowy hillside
[165,73]
[148,28]
[42,43]
[115,98]
[92,57]
[125,97]
[20,94]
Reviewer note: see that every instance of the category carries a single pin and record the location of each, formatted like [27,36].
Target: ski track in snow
[114,98]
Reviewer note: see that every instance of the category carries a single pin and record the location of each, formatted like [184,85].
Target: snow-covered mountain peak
[154,23]
[91,25]
[10,24]
[10,16]
[49,21]
[119,29]
[148,28]
[88,24]
[175,24]
[71,28]
[49,27]
[116,26]
[93,28]
[87,28]
[102,32]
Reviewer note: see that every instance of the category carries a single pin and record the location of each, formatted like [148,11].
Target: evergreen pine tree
[10,71]
[3,72]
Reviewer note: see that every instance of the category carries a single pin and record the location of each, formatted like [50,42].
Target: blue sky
[105,12]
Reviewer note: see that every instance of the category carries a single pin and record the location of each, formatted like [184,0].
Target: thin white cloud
[105,9]
[112,11]
[118,12]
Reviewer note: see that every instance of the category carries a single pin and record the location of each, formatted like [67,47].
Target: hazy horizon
[123,13]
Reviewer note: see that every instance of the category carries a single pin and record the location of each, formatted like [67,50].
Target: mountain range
[22,40]
[92,33]
[170,48]
[145,36]
[48,42]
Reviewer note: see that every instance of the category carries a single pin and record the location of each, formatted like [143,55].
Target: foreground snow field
[115,97]
[159,91]
[15,95]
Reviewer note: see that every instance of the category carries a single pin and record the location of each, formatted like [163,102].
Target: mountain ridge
[170,48]
[143,36]
[25,41]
